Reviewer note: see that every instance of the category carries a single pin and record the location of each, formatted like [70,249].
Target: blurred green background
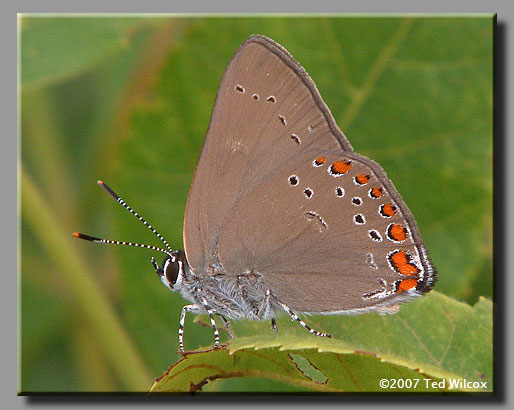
[128,100]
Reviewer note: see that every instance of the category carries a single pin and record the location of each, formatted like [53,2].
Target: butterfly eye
[171,270]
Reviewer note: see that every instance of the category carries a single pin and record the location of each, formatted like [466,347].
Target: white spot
[359,219]
[378,293]
[357,201]
[239,88]
[237,146]
[296,139]
[294,180]
[375,235]
[282,119]
[255,96]
[272,99]
[370,261]
[339,192]
[311,215]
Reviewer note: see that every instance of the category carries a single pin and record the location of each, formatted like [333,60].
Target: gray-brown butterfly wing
[247,141]
[274,193]
[328,241]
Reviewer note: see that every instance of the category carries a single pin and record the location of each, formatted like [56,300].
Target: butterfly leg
[265,306]
[264,310]
[274,325]
[227,325]
[185,309]
[210,312]
[294,316]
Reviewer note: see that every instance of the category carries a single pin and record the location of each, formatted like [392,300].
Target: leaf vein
[382,62]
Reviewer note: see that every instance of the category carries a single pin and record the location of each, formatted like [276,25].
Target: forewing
[267,112]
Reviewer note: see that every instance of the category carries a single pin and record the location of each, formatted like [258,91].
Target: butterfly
[283,215]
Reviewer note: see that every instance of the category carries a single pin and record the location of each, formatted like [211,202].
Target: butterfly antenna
[110,242]
[107,189]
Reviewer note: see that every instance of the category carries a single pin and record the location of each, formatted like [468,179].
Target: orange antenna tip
[76,234]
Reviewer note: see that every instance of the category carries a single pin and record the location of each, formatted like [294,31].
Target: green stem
[97,313]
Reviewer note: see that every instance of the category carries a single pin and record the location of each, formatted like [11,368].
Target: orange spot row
[362,179]
[388,210]
[400,261]
[341,167]
[376,192]
[320,161]
[406,284]
[397,232]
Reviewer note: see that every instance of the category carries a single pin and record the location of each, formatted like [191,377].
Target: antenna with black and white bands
[107,189]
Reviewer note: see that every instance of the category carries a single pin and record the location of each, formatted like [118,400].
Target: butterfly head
[171,271]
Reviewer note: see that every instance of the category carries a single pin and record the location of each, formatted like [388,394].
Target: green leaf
[57,48]
[436,339]
[214,370]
